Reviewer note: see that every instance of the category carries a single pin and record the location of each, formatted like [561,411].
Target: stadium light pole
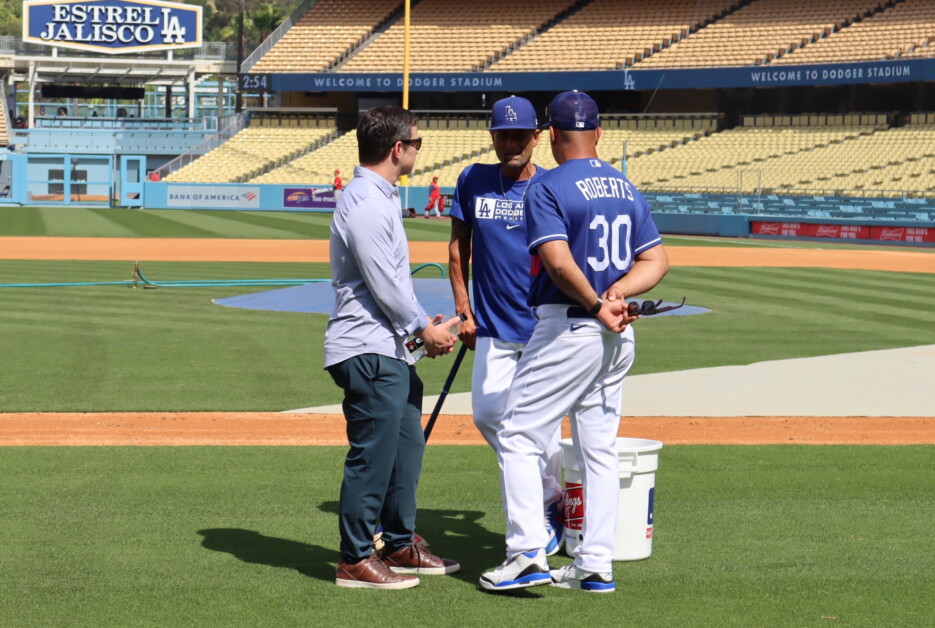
[238,107]
[404,180]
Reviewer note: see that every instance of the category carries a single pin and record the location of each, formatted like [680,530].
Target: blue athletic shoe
[570,577]
[555,527]
[523,570]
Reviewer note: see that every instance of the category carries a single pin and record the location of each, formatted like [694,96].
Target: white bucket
[639,459]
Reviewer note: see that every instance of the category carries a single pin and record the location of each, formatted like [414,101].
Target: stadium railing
[236,124]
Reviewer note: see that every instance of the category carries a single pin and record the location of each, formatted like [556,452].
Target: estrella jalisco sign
[112,26]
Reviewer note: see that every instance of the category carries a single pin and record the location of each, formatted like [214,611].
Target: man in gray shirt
[375,310]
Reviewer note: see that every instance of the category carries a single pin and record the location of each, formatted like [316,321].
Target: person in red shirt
[337,187]
[436,202]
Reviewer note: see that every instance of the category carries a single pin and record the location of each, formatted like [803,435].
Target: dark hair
[379,129]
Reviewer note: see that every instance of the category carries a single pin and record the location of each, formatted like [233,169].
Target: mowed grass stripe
[286,225]
[151,224]
[87,222]
[22,221]
[231,224]
[840,308]
[826,287]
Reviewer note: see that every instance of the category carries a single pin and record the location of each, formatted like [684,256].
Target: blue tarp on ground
[433,294]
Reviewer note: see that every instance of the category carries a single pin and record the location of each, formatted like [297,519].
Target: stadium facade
[736,118]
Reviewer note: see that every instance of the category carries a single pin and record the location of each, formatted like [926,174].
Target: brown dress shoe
[371,573]
[416,559]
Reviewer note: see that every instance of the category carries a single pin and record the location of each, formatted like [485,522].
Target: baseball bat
[444,393]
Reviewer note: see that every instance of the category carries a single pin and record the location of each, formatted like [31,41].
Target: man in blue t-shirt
[487,218]
[594,244]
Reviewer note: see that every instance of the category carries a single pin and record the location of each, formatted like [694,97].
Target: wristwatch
[596,307]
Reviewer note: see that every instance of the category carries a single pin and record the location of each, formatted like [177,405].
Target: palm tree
[257,25]
[265,20]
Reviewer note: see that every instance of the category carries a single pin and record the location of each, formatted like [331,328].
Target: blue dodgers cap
[513,112]
[575,111]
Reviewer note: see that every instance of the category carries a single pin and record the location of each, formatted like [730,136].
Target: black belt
[578,312]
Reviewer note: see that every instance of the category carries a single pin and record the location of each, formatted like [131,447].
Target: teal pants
[383,409]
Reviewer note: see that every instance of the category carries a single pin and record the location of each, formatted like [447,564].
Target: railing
[208,50]
[275,36]
[236,124]
[779,192]
[126,124]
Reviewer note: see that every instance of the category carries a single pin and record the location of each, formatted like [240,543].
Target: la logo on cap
[510,114]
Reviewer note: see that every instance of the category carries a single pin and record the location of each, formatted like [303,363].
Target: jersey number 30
[617,236]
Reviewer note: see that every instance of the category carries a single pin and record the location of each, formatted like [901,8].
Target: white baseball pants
[494,368]
[571,366]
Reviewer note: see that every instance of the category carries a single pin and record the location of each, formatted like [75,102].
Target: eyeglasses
[415,142]
[648,308]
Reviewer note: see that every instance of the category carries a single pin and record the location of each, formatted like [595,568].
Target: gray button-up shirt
[375,307]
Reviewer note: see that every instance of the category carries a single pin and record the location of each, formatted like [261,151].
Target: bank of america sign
[112,26]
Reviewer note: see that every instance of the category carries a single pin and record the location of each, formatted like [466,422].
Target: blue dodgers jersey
[602,216]
[499,256]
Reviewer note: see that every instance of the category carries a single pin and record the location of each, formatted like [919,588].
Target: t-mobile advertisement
[308,198]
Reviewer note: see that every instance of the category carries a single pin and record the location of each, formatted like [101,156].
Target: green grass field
[115,348]
[247,536]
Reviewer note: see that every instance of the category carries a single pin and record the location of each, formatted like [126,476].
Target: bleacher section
[747,157]
[904,30]
[266,143]
[847,155]
[325,34]
[759,32]
[549,35]
[608,34]
[317,167]
[443,40]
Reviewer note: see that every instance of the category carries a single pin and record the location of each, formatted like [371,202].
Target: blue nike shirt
[493,206]
[605,220]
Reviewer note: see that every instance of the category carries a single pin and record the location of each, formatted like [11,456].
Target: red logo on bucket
[649,533]
[574,506]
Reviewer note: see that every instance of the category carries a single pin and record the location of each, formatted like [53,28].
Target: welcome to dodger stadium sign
[112,26]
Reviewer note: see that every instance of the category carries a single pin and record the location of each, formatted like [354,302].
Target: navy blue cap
[575,111]
[513,112]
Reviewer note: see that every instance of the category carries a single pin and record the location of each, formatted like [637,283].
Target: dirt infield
[267,428]
[240,428]
[213,250]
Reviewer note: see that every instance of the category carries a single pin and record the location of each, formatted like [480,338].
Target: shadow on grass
[249,546]
[455,534]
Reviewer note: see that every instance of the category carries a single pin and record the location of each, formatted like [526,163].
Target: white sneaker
[571,577]
[523,570]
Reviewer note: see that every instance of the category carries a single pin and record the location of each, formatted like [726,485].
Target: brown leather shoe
[416,559]
[371,573]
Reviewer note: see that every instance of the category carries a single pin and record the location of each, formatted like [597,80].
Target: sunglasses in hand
[648,308]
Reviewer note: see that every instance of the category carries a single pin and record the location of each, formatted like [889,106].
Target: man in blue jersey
[487,218]
[594,244]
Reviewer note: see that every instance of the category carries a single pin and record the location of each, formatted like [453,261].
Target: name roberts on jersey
[604,187]
[486,208]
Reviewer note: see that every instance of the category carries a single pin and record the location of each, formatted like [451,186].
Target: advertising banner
[886,71]
[779,228]
[902,234]
[840,232]
[213,197]
[112,26]
[308,198]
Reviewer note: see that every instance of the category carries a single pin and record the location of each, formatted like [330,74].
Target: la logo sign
[112,26]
